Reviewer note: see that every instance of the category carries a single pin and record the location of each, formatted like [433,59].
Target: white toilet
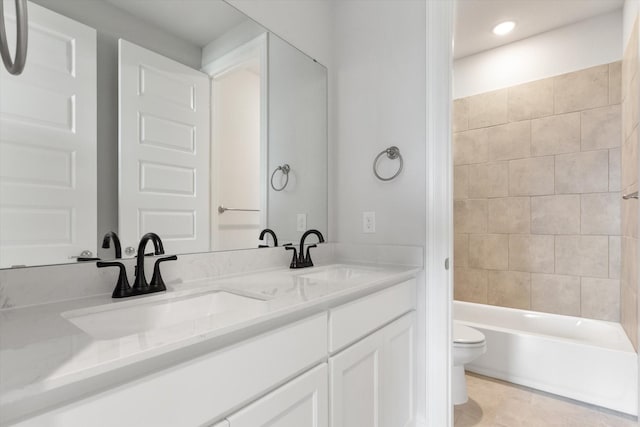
[468,344]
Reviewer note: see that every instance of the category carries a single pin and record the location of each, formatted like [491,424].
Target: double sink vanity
[327,345]
[221,131]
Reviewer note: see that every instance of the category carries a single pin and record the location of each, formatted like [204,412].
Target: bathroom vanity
[330,345]
[238,339]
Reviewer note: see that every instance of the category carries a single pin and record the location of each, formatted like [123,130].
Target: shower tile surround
[537,195]
[629,179]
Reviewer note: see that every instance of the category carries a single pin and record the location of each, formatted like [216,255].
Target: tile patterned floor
[495,403]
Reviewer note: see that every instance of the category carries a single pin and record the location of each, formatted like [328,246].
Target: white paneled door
[48,205]
[163,151]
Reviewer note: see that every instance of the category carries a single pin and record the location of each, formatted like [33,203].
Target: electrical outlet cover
[368,222]
[301,222]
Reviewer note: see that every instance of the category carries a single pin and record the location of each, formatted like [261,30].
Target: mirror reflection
[180,117]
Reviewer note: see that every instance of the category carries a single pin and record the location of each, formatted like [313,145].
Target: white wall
[297,135]
[585,44]
[308,25]
[630,11]
[379,100]
[305,24]
[242,33]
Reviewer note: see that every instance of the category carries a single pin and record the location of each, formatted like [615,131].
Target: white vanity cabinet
[200,391]
[302,402]
[349,366]
[372,381]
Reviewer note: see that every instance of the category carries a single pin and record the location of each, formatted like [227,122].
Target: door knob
[84,254]
[130,251]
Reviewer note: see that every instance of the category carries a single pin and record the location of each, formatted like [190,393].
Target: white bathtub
[583,359]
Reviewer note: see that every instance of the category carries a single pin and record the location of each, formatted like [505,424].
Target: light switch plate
[301,222]
[368,222]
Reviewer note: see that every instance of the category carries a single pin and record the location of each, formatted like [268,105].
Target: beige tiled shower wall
[537,195]
[629,274]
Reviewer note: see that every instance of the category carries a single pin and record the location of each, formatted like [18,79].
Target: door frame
[439,247]
[228,62]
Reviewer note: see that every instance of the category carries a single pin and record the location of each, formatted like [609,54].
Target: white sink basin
[337,273]
[187,311]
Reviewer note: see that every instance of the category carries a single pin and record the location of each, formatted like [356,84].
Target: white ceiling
[476,18]
[196,21]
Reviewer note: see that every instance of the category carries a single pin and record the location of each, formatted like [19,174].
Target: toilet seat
[466,336]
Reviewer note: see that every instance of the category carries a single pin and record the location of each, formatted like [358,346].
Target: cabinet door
[372,382]
[355,380]
[302,402]
[398,384]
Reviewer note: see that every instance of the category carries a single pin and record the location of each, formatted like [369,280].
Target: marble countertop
[41,350]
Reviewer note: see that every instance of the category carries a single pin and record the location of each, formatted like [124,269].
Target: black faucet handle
[122,288]
[308,248]
[102,264]
[294,260]
[307,260]
[157,283]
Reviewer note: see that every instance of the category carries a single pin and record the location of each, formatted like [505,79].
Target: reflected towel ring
[392,153]
[16,65]
[285,169]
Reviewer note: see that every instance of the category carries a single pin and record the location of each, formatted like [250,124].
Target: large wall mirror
[181,117]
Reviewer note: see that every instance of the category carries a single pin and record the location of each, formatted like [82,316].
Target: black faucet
[122,289]
[106,243]
[140,285]
[299,259]
[273,235]
[140,281]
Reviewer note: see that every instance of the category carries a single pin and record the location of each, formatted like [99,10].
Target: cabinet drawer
[352,321]
[204,389]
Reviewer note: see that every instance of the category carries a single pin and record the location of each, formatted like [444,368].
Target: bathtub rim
[627,343]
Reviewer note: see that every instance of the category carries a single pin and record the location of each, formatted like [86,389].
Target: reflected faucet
[299,259]
[106,243]
[273,235]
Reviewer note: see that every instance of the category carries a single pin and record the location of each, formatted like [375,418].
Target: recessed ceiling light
[504,28]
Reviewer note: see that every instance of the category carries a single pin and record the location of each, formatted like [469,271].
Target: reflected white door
[239,140]
[163,151]
[48,205]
